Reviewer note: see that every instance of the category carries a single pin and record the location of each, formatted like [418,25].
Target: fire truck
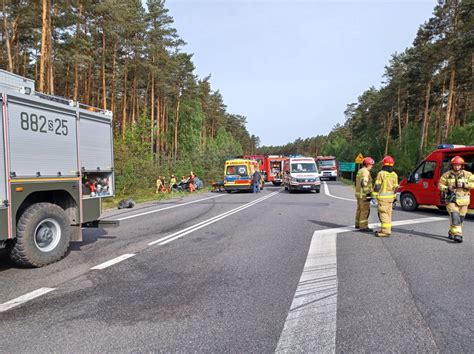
[275,169]
[327,166]
[56,165]
[422,185]
[271,167]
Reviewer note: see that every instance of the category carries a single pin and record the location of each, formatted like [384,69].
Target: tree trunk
[44,46]
[76,54]
[450,104]
[424,126]
[50,50]
[104,87]
[175,141]
[114,71]
[389,128]
[152,113]
[399,114]
[124,98]
[66,84]
[7,39]
[439,116]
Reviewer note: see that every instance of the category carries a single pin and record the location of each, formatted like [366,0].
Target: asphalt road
[248,273]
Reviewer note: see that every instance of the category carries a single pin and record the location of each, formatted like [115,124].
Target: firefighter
[455,185]
[385,187]
[363,195]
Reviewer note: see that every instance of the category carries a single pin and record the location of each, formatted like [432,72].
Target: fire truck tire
[441,207]
[42,237]
[408,202]
[228,191]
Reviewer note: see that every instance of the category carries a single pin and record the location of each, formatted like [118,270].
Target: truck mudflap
[103,224]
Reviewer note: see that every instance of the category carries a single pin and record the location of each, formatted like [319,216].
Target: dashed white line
[112,261]
[24,298]
[168,207]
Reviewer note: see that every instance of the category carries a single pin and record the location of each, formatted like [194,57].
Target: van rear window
[240,170]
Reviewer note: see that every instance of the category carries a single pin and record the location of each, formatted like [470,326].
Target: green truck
[56,166]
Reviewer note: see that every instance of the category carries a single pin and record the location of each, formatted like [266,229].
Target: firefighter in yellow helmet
[385,187]
[363,195]
[455,185]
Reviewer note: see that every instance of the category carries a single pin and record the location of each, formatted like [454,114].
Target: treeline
[128,59]
[426,98]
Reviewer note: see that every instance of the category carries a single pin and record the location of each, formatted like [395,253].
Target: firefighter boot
[458,238]
[381,234]
[367,229]
[450,236]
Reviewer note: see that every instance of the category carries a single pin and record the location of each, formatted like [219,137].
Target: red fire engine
[421,186]
[271,167]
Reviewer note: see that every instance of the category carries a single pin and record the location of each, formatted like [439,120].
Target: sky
[292,66]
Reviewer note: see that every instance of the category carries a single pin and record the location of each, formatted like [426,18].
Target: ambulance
[238,174]
[301,174]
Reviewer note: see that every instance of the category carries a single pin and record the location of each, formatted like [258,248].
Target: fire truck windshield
[327,162]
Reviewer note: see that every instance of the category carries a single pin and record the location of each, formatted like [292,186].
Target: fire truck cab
[328,167]
[421,187]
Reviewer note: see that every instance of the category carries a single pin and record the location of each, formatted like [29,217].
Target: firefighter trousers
[385,216]
[362,213]
[456,218]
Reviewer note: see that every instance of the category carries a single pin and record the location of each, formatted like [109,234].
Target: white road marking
[326,191]
[24,298]
[207,222]
[168,207]
[310,326]
[112,261]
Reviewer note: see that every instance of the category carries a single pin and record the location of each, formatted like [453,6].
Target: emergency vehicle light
[449,146]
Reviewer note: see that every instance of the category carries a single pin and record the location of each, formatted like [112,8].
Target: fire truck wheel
[42,237]
[408,202]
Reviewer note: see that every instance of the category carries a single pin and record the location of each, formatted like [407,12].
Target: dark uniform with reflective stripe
[385,187]
[457,199]
[363,190]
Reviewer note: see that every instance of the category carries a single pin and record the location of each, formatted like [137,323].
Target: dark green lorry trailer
[56,165]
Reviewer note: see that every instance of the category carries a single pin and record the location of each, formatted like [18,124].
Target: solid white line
[201,224]
[112,261]
[24,298]
[168,207]
[326,191]
[310,326]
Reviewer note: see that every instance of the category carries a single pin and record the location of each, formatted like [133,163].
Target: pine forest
[122,56]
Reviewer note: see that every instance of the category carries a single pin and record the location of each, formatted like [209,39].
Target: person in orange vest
[385,187]
[456,185]
[363,194]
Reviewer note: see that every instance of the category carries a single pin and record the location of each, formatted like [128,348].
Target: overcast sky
[291,67]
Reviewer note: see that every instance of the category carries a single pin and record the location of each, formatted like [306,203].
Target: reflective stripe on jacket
[386,185]
[363,183]
[452,178]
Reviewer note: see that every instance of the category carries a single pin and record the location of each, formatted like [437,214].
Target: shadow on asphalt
[422,234]
[329,225]
[89,236]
